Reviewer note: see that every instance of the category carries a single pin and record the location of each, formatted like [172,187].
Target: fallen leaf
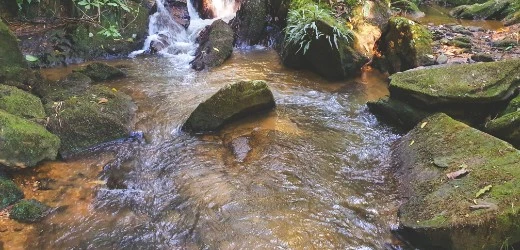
[483,191]
[114,89]
[411,143]
[102,100]
[31,58]
[457,174]
[424,124]
[215,49]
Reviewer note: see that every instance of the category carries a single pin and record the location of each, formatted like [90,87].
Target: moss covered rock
[250,22]
[230,103]
[396,112]
[96,116]
[20,103]
[471,91]
[73,84]
[11,54]
[477,210]
[403,45]
[24,143]
[9,192]
[492,9]
[507,125]
[28,211]
[216,45]
[101,72]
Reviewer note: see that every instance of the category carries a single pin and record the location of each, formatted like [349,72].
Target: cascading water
[171,40]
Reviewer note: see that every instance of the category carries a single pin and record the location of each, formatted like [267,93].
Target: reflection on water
[437,15]
[312,174]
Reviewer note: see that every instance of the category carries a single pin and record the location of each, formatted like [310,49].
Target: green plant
[100,7]
[21,2]
[110,32]
[302,29]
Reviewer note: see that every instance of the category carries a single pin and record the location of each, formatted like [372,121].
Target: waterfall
[172,39]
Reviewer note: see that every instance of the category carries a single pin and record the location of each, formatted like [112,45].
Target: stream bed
[313,174]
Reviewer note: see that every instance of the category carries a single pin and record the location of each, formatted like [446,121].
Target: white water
[181,45]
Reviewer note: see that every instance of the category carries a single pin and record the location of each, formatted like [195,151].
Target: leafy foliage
[102,6]
[302,30]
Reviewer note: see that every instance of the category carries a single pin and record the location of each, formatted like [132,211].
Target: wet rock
[204,8]
[9,192]
[71,85]
[229,104]
[216,45]
[241,148]
[24,143]
[324,57]
[28,211]
[507,125]
[463,90]
[396,112]
[179,11]
[437,212]
[250,22]
[441,59]
[96,116]
[505,43]
[101,72]
[11,55]
[482,57]
[403,45]
[20,103]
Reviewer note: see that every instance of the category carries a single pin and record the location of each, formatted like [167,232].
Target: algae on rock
[216,45]
[437,212]
[9,192]
[101,71]
[20,103]
[28,211]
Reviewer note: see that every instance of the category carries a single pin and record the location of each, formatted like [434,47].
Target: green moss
[20,103]
[438,206]
[471,83]
[101,72]
[9,192]
[506,127]
[73,84]
[514,105]
[492,9]
[403,45]
[216,46]
[10,54]
[24,143]
[96,116]
[228,104]
[28,211]
[250,21]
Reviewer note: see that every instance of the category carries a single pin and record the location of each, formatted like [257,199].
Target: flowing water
[312,174]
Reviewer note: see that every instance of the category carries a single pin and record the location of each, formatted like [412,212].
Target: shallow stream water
[312,174]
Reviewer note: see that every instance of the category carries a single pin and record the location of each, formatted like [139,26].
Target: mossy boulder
[471,90]
[332,60]
[9,192]
[20,103]
[507,126]
[28,211]
[216,45]
[73,84]
[24,143]
[492,9]
[230,103]
[397,112]
[250,22]
[459,212]
[404,44]
[11,56]
[98,115]
[101,72]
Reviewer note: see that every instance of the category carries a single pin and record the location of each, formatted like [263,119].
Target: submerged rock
[399,113]
[230,103]
[463,90]
[96,116]
[24,143]
[403,45]
[9,192]
[472,211]
[28,211]
[20,103]
[101,72]
[216,45]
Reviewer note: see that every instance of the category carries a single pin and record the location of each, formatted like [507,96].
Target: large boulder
[216,45]
[404,44]
[24,143]
[228,104]
[73,84]
[330,56]
[470,90]
[9,192]
[492,9]
[98,115]
[250,22]
[101,72]
[461,187]
[20,103]
[11,54]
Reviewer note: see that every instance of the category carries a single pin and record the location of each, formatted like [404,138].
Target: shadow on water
[313,174]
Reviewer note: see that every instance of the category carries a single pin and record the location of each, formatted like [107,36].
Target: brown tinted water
[313,174]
